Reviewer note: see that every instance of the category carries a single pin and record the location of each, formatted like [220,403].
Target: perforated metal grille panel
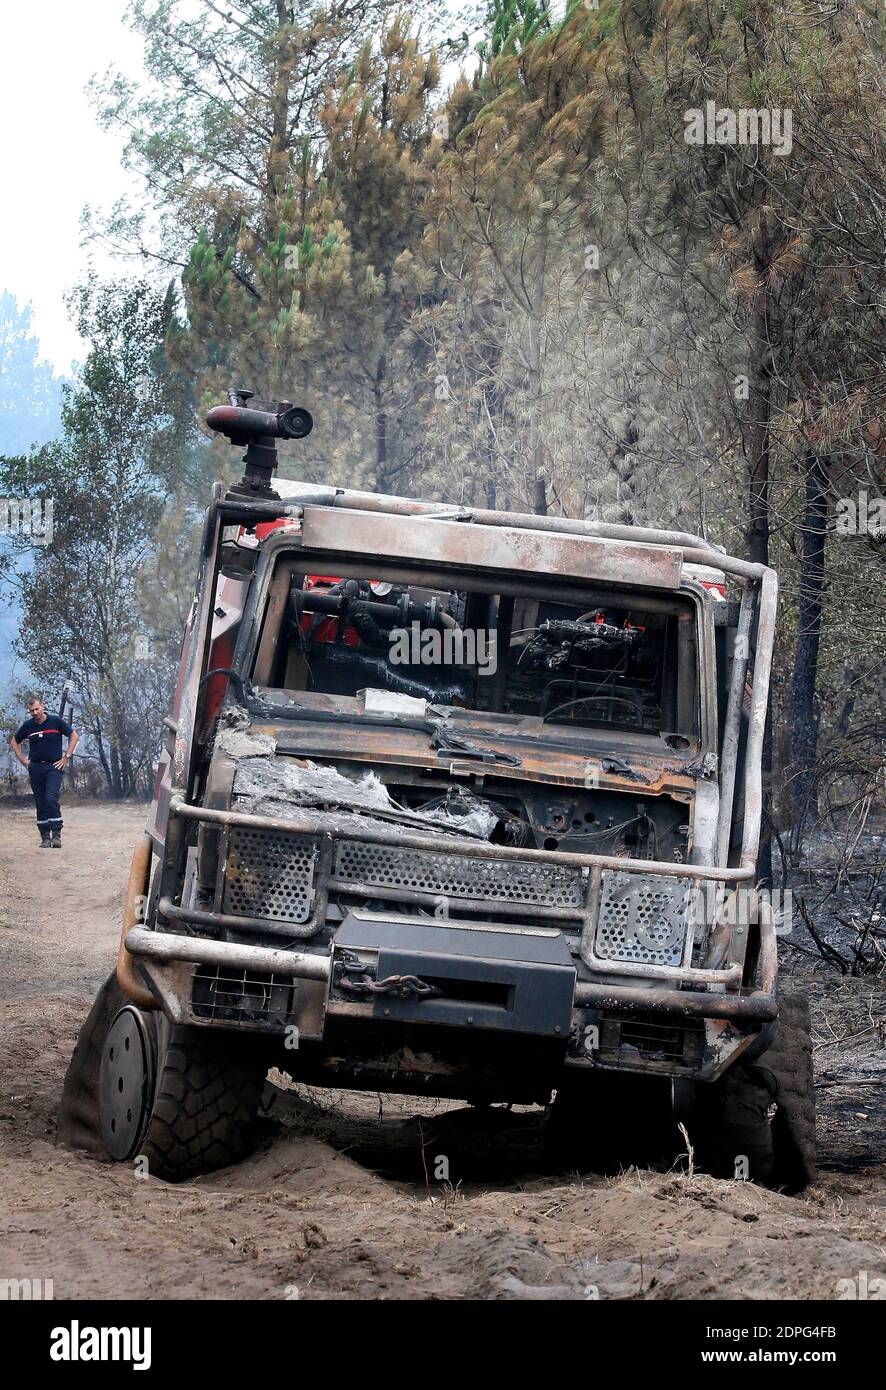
[652,1045]
[270,874]
[226,994]
[642,918]
[453,875]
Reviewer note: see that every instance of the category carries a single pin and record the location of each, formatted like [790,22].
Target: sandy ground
[336,1203]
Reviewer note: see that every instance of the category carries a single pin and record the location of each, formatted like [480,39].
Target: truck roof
[627,554]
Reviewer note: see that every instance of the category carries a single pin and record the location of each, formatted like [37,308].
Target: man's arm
[16,748]
[73,740]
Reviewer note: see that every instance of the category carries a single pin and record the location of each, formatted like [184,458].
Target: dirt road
[304,1219]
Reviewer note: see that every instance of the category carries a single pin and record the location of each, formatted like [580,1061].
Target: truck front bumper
[479,981]
[650,1009]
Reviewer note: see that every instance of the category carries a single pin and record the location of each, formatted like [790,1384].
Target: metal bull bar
[757,1007]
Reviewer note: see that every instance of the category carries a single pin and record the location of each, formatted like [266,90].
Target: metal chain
[401,985]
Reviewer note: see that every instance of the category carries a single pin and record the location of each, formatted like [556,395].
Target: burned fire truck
[455,803]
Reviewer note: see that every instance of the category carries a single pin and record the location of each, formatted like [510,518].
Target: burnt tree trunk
[278,153]
[381,425]
[624,466]
[802,714]
[759,445]
[114,759]
[98,736]
[540,498]
[536,380]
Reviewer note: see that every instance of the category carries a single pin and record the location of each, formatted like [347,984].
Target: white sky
[56,158]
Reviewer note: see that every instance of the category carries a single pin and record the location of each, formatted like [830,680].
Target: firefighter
[46,765]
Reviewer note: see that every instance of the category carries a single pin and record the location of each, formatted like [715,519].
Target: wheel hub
[125,1085]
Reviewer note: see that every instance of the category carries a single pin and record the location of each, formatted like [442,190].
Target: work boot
[56,839]
[45,841]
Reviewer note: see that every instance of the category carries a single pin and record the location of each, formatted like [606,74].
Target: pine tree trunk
[126,777]
[381,425]
[760,401]
[536,382]
[802,717]
[625,484]
[278,153]
[103,761]
[116,784]
[540,498]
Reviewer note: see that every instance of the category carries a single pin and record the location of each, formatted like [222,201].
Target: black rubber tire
[729,1128]
[603,1121]
[206,1096]
[733,1116]
[788,1060]
[78,1126]
[206,1102]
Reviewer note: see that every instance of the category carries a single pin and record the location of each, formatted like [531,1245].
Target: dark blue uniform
[44,749]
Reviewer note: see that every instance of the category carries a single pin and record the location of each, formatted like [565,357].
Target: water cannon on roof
[257,430]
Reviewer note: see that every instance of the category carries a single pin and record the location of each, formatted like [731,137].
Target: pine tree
[380,147]
[281,150]
[509,192]
[805,274]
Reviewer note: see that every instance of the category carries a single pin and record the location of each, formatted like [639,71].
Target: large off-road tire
[789,1061]
[729,1127]
[758,1120]
[184,1099]
[78,1112]
[604,1121]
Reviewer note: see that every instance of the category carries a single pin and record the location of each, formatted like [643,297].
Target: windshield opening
[625,661]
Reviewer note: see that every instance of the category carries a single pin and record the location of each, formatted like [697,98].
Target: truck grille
[455,876]
[651,1045]
[642,918]
[270,874]
[227,994]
